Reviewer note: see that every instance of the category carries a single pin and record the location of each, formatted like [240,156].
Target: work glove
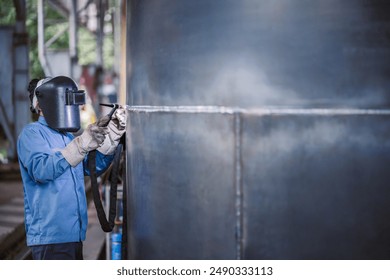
[91,139]
[116,128]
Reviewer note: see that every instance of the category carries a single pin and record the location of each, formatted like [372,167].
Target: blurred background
[80,39]
[84,40]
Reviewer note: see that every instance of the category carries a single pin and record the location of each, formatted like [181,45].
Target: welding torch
[104,122]
[107,224]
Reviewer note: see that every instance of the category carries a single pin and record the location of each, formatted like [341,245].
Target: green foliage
[32,29]
[87,47]
[108,52]
[54,23]
[7,12]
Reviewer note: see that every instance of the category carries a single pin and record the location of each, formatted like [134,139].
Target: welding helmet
[59,99]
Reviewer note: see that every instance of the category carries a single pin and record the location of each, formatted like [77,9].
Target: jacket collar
[42,120]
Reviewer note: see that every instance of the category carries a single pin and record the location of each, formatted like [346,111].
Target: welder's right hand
[91,139]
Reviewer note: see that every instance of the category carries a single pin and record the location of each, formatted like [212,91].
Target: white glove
[116,128]
[91,139]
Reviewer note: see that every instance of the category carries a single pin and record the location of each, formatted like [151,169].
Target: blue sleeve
[42,163]
[102,163]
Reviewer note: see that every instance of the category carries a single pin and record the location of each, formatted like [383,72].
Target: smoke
[254,54]
[261,53]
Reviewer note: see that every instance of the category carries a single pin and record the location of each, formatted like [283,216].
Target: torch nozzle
[112,105]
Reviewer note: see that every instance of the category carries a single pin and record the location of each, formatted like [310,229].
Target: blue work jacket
[55,205]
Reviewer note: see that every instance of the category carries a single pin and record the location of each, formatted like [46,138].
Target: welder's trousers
[59,251]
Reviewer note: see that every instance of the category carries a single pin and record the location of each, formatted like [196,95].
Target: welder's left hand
[116,128]
[117,125]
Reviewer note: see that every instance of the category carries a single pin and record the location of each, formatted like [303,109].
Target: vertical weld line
[238,186]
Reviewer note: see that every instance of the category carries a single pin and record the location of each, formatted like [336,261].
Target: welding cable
[107,225]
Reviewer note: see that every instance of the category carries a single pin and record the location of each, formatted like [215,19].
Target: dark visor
[75,97]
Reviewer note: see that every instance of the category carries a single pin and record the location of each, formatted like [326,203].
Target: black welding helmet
[59,99]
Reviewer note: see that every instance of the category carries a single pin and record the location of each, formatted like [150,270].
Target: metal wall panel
[256,53]
[316,187]
[304,185]
[182,187]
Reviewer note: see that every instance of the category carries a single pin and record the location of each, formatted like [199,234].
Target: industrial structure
[256,129]
[263,131]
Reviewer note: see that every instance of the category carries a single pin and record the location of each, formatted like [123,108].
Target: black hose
[107,225]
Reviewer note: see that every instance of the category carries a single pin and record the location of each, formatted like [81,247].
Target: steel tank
[258,129]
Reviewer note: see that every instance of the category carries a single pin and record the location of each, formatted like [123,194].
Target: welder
[53,163]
